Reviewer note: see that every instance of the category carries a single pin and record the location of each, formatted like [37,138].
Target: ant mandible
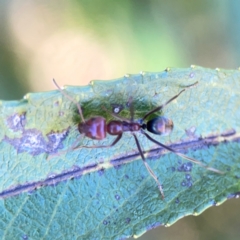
[97,128]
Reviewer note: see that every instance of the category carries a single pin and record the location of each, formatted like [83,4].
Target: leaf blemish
[185,167]
[191,133]
[117,108]
[185,183]
[105,222]
[25,237]
[188,177]
[192,75]
[33,142]
[117,166]
[101,172]
[56,103]
[128,220]
[17,122]
[117,197]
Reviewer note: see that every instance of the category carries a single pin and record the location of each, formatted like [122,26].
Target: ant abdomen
[160,125]
[94,128]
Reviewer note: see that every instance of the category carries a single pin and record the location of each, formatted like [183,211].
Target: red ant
[96,128]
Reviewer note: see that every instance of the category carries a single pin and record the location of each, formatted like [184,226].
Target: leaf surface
[107,193]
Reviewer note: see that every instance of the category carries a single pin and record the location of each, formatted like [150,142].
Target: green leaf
[108,193]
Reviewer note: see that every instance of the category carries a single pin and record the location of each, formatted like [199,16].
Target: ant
[97,128]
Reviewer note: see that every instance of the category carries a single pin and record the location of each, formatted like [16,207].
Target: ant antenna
[166,103]
[130,101]
[71,99]
[163,105]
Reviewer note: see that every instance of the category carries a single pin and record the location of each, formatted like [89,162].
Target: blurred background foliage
[76,41]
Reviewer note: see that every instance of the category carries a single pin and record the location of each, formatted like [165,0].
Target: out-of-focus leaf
[108,193]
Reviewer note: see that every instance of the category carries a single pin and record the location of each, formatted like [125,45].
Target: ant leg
[102,146]
[148,167]
[191,85]
[182,155]
[131,109]
[71,99]
[74,145]
[166,103]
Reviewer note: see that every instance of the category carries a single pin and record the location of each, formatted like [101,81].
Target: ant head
[160,125]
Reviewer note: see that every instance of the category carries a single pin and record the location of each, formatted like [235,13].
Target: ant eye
[160,125]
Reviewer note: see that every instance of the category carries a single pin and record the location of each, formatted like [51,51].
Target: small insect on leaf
[97,128]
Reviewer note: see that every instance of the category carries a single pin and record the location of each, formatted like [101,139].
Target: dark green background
[40,40]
